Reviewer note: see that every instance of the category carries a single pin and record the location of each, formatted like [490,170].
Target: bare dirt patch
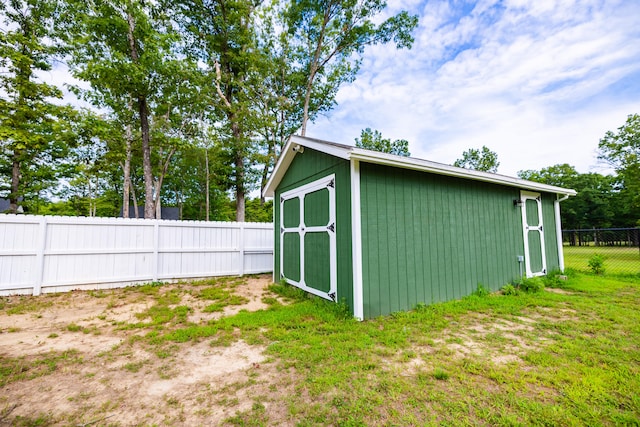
[501,341]
[113,378]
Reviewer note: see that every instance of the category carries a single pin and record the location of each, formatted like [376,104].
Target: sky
[537,81]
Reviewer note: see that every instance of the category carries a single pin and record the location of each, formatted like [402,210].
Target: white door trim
[529,228]
[327,182]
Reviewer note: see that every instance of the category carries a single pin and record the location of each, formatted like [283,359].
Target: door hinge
[331,183]
[332,227]
[281,230]
[544,271]
[332,295]
[281,199]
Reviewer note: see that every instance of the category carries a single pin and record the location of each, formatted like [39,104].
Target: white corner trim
[556,210]
[356,233]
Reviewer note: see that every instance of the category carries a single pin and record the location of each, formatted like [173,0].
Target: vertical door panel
[317,266]
[291,256]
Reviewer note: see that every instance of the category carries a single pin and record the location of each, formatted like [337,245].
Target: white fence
[53,254]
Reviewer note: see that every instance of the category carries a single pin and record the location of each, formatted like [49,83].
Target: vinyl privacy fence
[52,254]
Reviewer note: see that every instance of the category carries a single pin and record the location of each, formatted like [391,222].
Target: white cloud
[536,81]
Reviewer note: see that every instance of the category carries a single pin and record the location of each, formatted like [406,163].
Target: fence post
[39,267]
[156,243]
[241,238]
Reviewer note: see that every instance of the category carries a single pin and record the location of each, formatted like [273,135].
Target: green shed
[385,232]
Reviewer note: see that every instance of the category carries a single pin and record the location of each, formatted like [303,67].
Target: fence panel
[617,248]
[50,254]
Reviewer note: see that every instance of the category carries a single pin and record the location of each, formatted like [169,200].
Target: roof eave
[354,153]
[442,169]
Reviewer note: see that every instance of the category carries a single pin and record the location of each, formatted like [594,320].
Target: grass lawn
[568,355]
[570,358]
[616,259]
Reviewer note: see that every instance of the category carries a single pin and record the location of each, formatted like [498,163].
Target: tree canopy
[193,100]
[621,150]
[479,159]
[373,140]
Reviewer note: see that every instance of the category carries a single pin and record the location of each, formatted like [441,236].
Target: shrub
[596,264]
[481,291]
[532,285]
[509,289]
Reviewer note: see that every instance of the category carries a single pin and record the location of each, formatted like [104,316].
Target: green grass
[20,368]
[573,358]
[581,365]
[617,260]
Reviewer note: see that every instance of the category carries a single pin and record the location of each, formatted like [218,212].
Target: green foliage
[530,284]
[328,38]
[481,291]
[596,264]
[509,289]
[597,204]
[373,140]
[288,291]
[479,159]
[34,128]
[622,151]
[440,374]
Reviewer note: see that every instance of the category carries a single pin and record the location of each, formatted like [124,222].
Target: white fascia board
[337,150]
[285,159]
[349,152]
[442,169]
[290,151]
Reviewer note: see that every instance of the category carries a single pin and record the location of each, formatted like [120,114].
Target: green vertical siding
[305,168]
[429,238]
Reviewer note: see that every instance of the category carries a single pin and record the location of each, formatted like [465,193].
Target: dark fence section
[615,250]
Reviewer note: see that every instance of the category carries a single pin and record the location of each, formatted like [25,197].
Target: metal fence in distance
[617,249]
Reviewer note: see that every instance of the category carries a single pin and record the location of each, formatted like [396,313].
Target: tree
[32,126]
[373,140]
[622,151]
[126,50]
[481,160]
[221,37]
[328,34]
[595,205]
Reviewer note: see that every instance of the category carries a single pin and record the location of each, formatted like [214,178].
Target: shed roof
[349,152]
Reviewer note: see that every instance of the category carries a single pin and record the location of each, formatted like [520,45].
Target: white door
[534,253]
[308,237]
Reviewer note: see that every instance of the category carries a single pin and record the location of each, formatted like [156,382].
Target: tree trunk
[206,166]
[143,111]
[127,175]
[149,211]
[15,183]
[240,193]
[239,164]
[135,200]
[158,184]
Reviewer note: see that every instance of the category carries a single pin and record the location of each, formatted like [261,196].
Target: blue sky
[537,81]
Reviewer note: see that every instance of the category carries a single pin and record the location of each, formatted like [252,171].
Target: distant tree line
[602,201]
[192,101]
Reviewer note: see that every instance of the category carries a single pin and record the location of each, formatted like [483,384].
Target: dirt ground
[82,359]
[108,378]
